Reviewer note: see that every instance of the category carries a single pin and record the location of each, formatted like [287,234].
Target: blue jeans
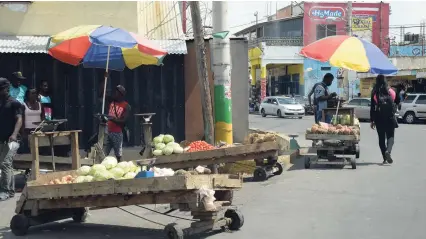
[319,117]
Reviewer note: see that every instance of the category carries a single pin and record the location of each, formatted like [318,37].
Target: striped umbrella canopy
[351,53]
[97,46]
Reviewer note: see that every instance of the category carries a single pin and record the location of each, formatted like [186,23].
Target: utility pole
[222,73]
[349,32]
[256,15]
[203,78]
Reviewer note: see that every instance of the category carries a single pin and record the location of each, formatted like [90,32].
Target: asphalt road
[371,202]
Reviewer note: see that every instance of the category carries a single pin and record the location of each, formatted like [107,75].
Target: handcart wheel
[353,163]
[80,215]
[19,225]
[237,219]
[260,174]
[357,151]
[280,169]
[307,162]
[173,231]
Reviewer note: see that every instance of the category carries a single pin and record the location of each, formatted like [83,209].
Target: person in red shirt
[118,112]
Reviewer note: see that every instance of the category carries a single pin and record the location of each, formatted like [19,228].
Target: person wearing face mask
[321,96]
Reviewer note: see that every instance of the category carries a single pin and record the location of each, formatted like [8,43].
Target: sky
[241,14]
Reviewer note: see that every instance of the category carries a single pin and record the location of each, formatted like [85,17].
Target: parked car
[281,107]
[362,108]
[413,108]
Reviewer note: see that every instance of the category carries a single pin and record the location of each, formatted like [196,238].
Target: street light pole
[349,32]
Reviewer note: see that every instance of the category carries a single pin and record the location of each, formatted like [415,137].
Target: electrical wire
[165,214]
[146,219]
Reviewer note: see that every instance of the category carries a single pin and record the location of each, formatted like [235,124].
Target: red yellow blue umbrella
[94,46]
[97,46]
[349,52]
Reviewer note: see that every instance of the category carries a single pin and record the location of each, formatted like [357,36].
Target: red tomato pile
[199,146]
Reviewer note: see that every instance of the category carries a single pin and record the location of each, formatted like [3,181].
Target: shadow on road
[70,230]
[299,164]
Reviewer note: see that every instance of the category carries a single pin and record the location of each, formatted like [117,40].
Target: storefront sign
[262,89]
[321,13]
[362,24]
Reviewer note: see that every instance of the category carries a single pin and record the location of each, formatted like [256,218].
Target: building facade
[315,20]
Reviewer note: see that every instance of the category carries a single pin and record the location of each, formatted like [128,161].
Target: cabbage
[167,150]
[168,138]
[97,167]
[88,178]
[103,175]
[125,166]
[79,179]
[117,172]
[83,170]
[157,152]
[109,162]
[178,150]
[158,139]
[130,175]
[132,166]
[138,169]
[160,146]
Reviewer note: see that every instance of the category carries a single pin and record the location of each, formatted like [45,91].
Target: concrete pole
[222,74]
[346,84]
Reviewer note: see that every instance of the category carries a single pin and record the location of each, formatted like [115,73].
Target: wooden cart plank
[71,190]
[216,153]
[36,189]
[210,161]
[118,200]
[332,137]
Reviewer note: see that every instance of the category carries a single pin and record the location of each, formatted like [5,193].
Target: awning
[37,44]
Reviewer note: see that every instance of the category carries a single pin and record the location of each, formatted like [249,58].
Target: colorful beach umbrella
[97,46]
[94,46]
[351,53]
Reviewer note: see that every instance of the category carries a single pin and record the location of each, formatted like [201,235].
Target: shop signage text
[327,12]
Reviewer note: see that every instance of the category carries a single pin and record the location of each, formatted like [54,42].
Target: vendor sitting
[321,96]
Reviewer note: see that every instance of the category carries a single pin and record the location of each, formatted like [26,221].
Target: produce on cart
[257,146]
[69,194]
[335,143]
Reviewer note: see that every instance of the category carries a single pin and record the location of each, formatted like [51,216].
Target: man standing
[118,112]
[11,123]
[17,90]
[321,96]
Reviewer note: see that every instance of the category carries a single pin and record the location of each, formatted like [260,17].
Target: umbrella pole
[101,134]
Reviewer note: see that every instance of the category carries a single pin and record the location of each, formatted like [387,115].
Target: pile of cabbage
[166,145]
[110,168]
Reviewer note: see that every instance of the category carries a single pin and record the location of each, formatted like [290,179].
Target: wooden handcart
[259,152]
[345,152]
[41,203]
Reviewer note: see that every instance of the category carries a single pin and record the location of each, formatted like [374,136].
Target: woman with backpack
[382,114]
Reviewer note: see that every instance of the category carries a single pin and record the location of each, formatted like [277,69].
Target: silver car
[281,107]
[361,106]
[413,108]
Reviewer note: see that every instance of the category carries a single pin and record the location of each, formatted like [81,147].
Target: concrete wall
[194,126]
[48,18]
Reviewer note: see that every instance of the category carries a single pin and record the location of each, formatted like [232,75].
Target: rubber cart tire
[173,231]
[307,162]
[280,168]
[19,225]
[237,219]
[353,163]
[260,174]
[357,151]
[80,215]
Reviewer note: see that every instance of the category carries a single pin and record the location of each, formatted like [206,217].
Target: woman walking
[382,114]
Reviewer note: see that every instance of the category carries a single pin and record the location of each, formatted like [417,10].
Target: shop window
[326,30]
[325,68]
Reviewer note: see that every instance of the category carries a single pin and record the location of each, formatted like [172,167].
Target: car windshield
[286,101]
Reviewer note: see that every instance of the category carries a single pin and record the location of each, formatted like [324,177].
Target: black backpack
[385,105]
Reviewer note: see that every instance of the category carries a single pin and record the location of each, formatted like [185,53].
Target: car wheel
[409,117]
[279,114]
[263,113]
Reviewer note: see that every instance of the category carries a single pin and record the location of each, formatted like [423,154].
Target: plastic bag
[207,197]
[13,146]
